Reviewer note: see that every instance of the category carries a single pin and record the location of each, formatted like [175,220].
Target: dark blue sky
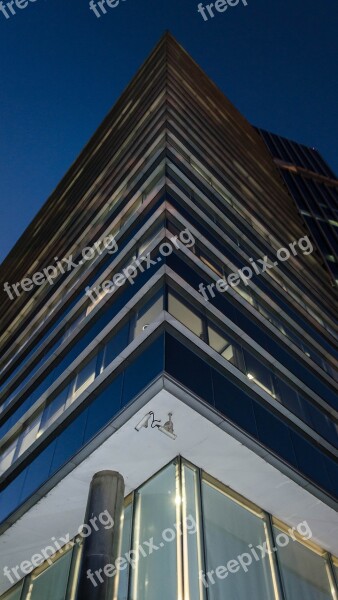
[62,69]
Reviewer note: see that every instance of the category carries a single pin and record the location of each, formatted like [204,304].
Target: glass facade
[85,375]
[168,160]
[185,535]
[88,421]
[243,408]
[314,188]
[305,573]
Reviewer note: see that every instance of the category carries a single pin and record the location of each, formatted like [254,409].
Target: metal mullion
[73,572]
[274,561]
[132,529]
[202,525]
[332,577]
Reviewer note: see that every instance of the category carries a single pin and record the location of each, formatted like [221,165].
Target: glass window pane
[13,594]
[52,583]
[29,434]
[211,264]
[102,409]
[115,345]
[335,568]
[148,365]
[245,294]
[156,509]
[148,313]
[303,572]
[192,540]
[69,441]
[7,455]
[122,575]
[84,378]
[258,372]
[230,530]
[188,368]
[185,314]
[291,400]
[37,472]
[53,410]
[222,345]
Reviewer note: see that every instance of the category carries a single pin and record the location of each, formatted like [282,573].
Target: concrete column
[100,547]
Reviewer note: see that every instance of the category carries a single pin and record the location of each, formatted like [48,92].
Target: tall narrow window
[156,576]
[231,530]
[303,572]
[193,562]
[122,576]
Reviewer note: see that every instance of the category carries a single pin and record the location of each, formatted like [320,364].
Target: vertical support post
[100,548]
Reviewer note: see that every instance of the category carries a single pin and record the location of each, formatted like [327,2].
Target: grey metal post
[100,546]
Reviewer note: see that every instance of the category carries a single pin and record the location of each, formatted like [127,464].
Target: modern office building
[314,188]
[231,489]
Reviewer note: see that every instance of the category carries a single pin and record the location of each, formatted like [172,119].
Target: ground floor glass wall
[186,536]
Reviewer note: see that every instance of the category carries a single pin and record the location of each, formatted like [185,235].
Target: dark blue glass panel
[274,434]
[9,498]
[104,408]
[115,345]
[143,370]
[188,368]
[322,424]
[231,401]
[37,472]
[291,400]
[69,441]
[332,469]
[310,461]
[55,407]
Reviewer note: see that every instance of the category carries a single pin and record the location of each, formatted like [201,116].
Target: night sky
[62,69]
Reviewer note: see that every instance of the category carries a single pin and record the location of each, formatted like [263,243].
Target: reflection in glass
[229,529]
[52,582]
[335,569]
[222,345]
[6,456]
[84,378]
[14,594]
[122,576]
[148,313]
[155,574]
[303,572]
[28,435]
[185,314]
[53,410]
[258,373]
[192,539]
